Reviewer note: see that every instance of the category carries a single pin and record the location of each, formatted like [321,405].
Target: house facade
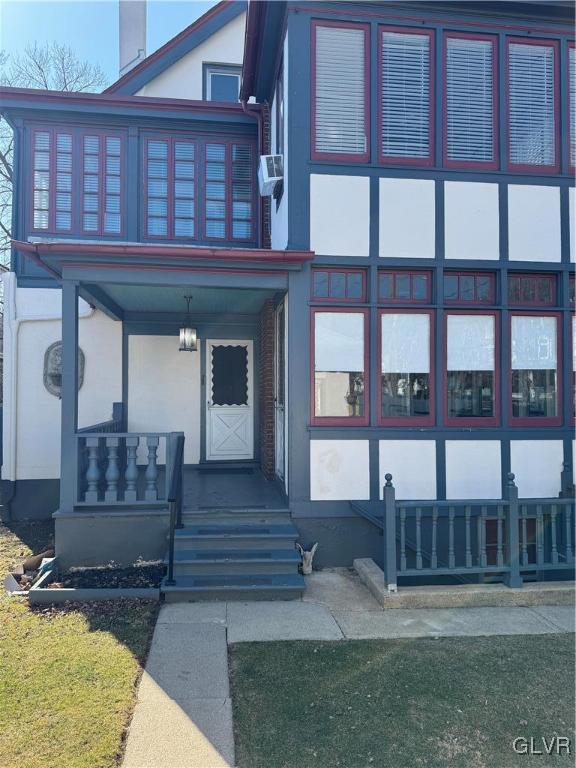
[402,303]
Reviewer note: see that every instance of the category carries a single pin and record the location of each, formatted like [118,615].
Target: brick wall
[267,449]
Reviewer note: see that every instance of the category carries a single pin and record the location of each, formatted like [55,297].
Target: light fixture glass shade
[188,340]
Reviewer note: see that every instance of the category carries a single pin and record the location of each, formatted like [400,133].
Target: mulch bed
[111,578]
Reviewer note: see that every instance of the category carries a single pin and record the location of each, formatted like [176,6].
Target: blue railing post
[513,577]
[390,571]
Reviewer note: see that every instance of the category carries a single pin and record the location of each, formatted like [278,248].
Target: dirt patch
[111,578]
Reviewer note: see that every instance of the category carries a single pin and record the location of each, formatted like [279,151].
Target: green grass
[67,675]
[438,703]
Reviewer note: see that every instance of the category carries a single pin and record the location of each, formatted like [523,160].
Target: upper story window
[532,290]
[405,95]
[404,286]
[471,76]
[229,176]
[170,188]
[469,288]
[279,111]
[339,285]
[101,184]
[340,91]
[532,68]
[572,101]
[222,82]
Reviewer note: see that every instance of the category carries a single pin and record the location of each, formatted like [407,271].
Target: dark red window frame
[395,274]
[475,301]
[523,167]
[102,174]
[330,271]
[418,161]
[342,421]
[538,421]
[549,277]
[401,421]
[474,421]
[485,164]
[52,131]
[571,107]
[340,156]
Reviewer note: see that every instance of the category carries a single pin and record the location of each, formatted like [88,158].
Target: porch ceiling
[151,298]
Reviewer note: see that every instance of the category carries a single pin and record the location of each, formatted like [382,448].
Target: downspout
[257,113]
[12,324]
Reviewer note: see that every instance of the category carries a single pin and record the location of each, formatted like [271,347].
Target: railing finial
[388,478]
[511,477]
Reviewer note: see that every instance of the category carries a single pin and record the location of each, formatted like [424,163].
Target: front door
[230,400]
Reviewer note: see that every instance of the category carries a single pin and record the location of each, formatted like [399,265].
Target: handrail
[174,497]
[115,424]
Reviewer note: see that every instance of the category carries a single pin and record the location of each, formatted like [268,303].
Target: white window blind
[339,341]
[340,91]
[469,99]
[405,96]
[531,104]
[405,343]
[471,343]
[533,343]
[572,104]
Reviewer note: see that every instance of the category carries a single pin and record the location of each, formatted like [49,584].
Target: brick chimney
[132,33]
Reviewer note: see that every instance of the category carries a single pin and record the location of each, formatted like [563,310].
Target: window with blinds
[405,95]
[229,201]
[340,102]
[470,126]
[572,102]
[52,181]
[101,184]
[171,191]
[531,105]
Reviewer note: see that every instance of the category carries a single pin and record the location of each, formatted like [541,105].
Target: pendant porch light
[188,335]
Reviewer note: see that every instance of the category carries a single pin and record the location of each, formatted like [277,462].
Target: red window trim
[474,302]
[526,275]
[338,299]
[410,272]
[52,131]
[416,161]
[340,156]
[487,164]
[407,421]
[170,139]
[342,421]
[523,167]
[102,134]
[538,421]
[571,139]
[571,321]
[475,421]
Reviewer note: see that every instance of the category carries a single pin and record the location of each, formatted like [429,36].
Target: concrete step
[225,536]
[230,516]
[235,561]
[234,587]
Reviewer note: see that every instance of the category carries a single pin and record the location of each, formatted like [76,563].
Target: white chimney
[132,34]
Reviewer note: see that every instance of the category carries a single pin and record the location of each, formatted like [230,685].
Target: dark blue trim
[218,67]
[97,297]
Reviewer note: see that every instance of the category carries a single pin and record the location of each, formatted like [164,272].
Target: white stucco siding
[183,80]
[471,220]
[164,391]
[537,466]
[339,215]
[407,218]
[473,469]
[339,470]
[279,217]
[412,464]
[533,222]
[33,451]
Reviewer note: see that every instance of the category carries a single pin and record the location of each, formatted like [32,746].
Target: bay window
[535,381]
[170,188]
[471,373]
[339,364]
[405,95]
[101,184]
[405,377]
[532,82]
[52,180]
[340,91]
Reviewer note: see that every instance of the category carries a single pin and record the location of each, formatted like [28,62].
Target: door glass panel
[229,375]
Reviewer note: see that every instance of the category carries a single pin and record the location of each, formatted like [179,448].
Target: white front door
[230,400]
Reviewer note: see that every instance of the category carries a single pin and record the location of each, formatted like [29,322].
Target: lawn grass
[437,703]
[67,675]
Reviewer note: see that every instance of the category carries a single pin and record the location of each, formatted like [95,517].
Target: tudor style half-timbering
[402,304]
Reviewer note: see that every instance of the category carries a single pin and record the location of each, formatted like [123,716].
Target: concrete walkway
[183,716]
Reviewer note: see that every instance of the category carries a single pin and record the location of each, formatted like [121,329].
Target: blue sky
[90,27]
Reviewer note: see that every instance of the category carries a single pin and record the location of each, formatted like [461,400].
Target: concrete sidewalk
[183,716]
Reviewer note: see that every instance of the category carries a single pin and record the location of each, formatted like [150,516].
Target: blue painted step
[225,535]
[235,561]
[235,587]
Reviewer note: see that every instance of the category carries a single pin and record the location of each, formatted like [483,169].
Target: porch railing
[175,500]
[503,538]
[114,424]
[123,468]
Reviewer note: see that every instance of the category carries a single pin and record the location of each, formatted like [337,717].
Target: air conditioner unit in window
[270,173]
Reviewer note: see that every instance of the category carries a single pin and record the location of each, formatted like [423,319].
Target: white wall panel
[407,218]
[183,80]
[164,390]
[339,470]
[412,464]
[537,465]
[473,469]
[339,215]
[471,220]
[533,223]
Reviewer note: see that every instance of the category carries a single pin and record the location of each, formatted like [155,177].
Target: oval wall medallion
[53,368]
